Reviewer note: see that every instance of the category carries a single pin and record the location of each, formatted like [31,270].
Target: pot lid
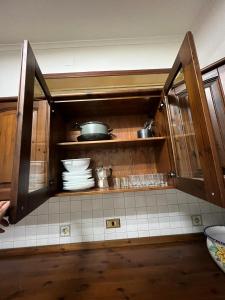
[94,122]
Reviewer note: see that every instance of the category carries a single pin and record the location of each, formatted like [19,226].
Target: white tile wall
[142,214]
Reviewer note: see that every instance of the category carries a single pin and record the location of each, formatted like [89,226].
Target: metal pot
[93,127]
[144,133]
[147,131]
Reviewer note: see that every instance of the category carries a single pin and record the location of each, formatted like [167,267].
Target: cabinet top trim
[106,73]
[214,65]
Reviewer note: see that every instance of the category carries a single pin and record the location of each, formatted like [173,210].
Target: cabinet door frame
[22,201]
[216,103]
[212,188]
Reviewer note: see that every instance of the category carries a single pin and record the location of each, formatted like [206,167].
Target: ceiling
[78,20]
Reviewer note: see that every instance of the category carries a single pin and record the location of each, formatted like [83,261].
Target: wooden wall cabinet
[186,141]
[214,84]
[8,111]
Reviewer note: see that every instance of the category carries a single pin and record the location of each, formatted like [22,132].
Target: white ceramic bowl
[216,244]
[73,165]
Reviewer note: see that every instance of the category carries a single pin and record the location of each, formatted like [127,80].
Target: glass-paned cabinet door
[39,156]
[187,159]
[30,182]
[196,161]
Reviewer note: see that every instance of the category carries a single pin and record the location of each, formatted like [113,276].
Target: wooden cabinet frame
[212,188]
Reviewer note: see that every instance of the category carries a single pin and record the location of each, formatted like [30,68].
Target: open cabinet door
[30,181]
[196,161]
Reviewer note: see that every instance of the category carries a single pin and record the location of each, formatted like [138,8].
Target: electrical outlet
[113,223]
[196,220]
[64,230]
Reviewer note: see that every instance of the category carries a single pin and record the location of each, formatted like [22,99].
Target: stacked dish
[38,175]
[77,175]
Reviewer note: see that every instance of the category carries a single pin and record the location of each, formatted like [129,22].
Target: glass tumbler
[134,180]
[116,183]
[141,180]
[146,180]
[160,178]
[150,180]
[124,182]
[165,179]
[155,179]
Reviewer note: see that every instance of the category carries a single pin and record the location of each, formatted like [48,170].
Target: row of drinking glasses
[145,180]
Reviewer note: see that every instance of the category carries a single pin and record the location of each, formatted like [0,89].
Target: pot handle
[110,130]
[77,126]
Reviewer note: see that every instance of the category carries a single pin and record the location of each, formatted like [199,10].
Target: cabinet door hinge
[172,174]
[51,182]
[52,107]
[161,106]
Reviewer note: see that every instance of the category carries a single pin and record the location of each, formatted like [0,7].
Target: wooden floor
[170,271]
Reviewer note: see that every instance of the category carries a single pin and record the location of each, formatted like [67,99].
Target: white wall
[142,214]
[209,32]
[103,55]
[9,73]
[124,54]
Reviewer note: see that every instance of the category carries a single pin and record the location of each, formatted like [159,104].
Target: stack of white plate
[77,175]
[38,175]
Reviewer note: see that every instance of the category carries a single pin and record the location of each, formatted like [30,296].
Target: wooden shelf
[96,191]
[115,141]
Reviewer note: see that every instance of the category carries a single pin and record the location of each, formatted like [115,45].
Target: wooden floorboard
[173,271]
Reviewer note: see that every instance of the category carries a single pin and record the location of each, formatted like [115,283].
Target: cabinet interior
[125,153]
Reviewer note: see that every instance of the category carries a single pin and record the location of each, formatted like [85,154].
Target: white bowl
[73,165]
[216,244]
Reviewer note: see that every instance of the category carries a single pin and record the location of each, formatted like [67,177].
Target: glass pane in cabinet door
[39,158]
[182,130]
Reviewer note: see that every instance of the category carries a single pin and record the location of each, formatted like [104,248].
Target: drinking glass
[124,182]
[116,183]
[160,178]
[130,180]
[165,179]
[141,180]
[151,179]
[146,180]
[134,181]
[155,179]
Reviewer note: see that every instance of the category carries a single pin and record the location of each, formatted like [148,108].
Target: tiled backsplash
[142,214]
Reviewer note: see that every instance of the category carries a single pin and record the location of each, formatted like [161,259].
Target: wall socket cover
[196,220]
[113,223]
[64,230]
